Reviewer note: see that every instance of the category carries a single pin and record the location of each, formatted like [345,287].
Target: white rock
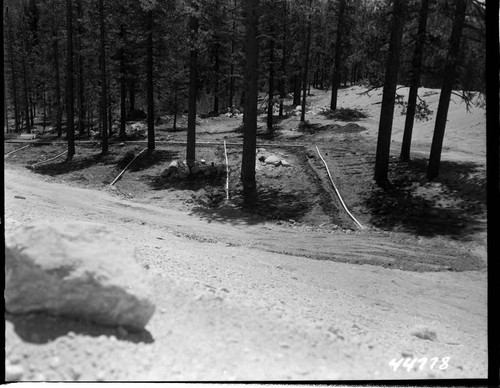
[165,172]
[77,269]
[13,372]
[273,159]
[284,163]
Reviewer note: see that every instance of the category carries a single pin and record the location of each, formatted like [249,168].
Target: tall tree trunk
[79,62]
[104,98]
[296,87]
[250,118]
[174,126]
[26,96]
[216,78]
[44,96]
[193,88]
[231,71]
[449,76]
[270,101]
[57,86]
[32,110]
[123,86]
[3,110]
[388,96]
[415,82]
[150,91]
[131,95]
[338,56]
[70,115]
[12,70]
[306,65]
[110,111]
[284,58]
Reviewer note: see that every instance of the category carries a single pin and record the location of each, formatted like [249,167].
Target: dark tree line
[109,61]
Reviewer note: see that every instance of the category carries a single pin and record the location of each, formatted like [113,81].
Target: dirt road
[242,301]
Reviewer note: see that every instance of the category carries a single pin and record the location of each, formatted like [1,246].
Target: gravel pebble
[76,372]
[54,362]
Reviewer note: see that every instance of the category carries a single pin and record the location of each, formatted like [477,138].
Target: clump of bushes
[344,114]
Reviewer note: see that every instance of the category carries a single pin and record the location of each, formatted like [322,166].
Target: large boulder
[78,269]
[273,159]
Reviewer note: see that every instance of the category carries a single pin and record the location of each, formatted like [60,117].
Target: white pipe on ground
[19,149]
[49,160]
[337,192]
[119,175]
[227,172]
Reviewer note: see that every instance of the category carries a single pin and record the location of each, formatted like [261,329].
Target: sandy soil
[279,293]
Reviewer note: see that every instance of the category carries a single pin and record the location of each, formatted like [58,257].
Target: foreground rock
[273,159]
[80,270]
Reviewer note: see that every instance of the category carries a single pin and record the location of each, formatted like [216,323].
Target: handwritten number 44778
[409,363]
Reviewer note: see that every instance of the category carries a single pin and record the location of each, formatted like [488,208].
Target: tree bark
[284,59]
[57,86]
[449,77]
[270,102]
[174,125]
[70,118]
[3,110]
[306,65]
[104,98]
[123,86]
[79,78]
[193,88]
[250,117]
[231,71]
[415,82]
[13,71]
[150,91]
[216,78]
[26,95]
[338,55]
[388,96]
[131,95]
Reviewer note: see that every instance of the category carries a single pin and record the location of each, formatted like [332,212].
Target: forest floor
[292,289]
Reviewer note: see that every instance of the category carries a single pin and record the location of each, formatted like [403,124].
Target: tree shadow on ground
[149,159]
[40,328]
[193,183]
[271,204]
[452,205]
[77,164]
[311,128]
[273,134]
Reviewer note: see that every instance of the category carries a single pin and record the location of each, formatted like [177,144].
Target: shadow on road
[39,328]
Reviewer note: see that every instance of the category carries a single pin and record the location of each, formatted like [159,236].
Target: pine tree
[415,82]
[104,83]
[388,96]
[338,55]
[251,14]
[70,118]
[449,77]
[193,86]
